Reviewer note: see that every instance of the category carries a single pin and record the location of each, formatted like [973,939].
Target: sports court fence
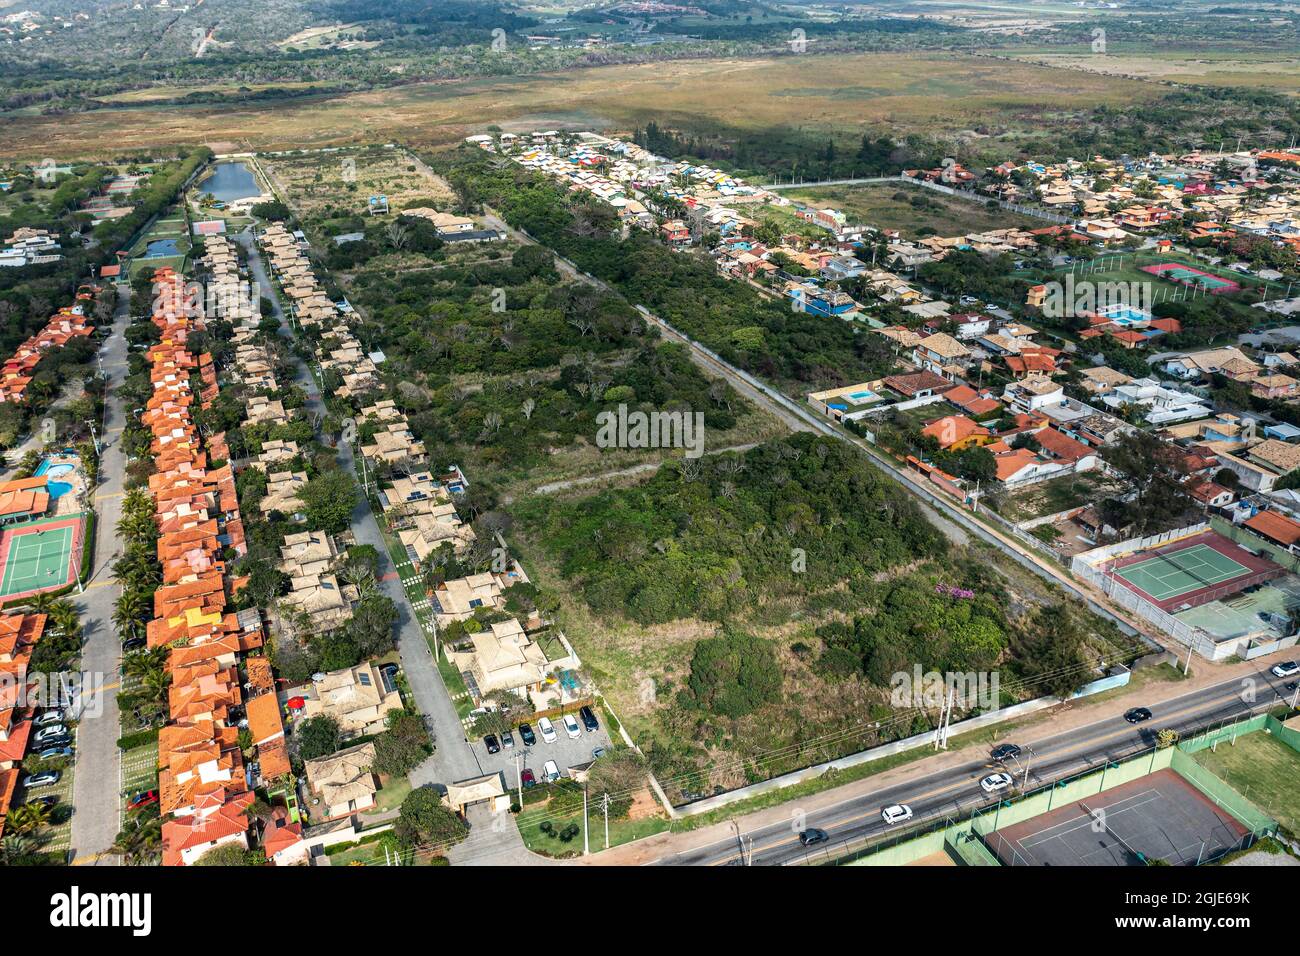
[1089,566]
[931,837]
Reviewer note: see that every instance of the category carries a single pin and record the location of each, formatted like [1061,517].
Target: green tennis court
[1168,576]
[37,561]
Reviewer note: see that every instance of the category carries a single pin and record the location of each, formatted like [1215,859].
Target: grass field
[913,211]
[1274,70]
[1264,771]
[940,93]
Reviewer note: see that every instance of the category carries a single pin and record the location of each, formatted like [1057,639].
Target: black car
[134,643]
[49,802]
[1137,715]
[589,720]
[1005,752]
[490,741]
[812,836]
[526,735]
[63,740]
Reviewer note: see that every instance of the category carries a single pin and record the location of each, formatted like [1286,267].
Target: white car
[898,813]
[571,726]
[995,782]
[550,770]
[546,729]
[1285,669]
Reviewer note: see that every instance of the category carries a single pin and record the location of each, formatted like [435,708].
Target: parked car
[547,729]
[1004,752]
[589,720]
[54,753]
[1137,715]
[508,740]
[490,742]
[52,716]
[571,726]
[49,802]
[527,778]
[526,735]
[1285,669]
[63,740]
[995,782]
[134,643]
[897,813]
[46,778]
[142,799]
[48,733]
[812,836]
[550,770]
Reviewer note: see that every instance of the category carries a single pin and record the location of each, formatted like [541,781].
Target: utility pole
[1187,665]
[586,830]
[519,782]
[606,802]
[94,436]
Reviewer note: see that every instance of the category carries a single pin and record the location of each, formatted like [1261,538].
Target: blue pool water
[1126,315]
[48,469]
[57,489]
[156,248]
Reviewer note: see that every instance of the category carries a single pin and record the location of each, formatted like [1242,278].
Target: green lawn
[1264,770]
[392,794]
[620,831]
[140,767]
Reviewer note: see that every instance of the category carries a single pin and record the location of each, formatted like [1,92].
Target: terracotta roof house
[1275,526]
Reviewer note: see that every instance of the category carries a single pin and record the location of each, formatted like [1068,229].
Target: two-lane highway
[955,792]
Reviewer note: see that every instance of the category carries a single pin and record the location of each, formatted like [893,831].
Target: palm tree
[28,818]
[15,848]
[65,619]
[41,603]
[131,609]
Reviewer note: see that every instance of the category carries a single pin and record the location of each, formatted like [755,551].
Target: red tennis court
[1192,571]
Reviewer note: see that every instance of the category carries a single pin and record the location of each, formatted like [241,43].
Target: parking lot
[566,752]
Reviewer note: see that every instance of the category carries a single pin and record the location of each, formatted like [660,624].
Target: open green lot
[913,210]
[1264,771]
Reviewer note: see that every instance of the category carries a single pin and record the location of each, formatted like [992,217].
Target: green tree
[328,500]
[734,673]
[317,737]
[424,819]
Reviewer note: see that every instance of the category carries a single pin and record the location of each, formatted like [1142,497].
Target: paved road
[954,792]
[97,801]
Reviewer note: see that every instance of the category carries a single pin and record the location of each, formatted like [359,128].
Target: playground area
[1157,817]
[1192,571]
[1192,277]
[39,555]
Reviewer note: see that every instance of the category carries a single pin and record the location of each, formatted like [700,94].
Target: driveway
[97,800]
[566,752]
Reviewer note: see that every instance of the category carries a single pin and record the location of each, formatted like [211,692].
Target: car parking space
[565,751]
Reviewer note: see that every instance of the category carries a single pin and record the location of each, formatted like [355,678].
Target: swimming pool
[50,469]
[1125,315]
[57,489]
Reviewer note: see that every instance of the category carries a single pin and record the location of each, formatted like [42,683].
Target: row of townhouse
[19,634]
[219,681]
[62,327]
[309,303]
